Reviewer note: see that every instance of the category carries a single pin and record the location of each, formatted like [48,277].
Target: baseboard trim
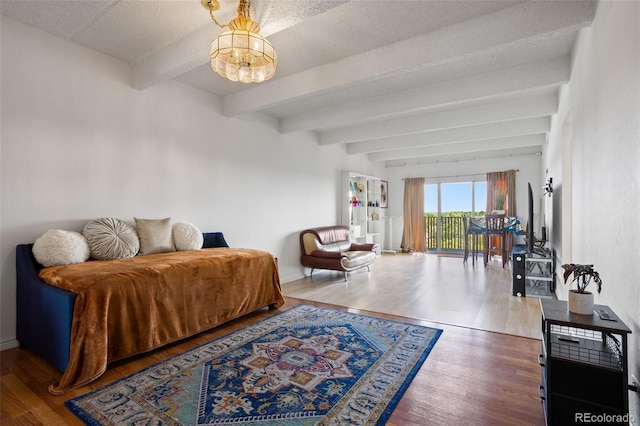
[9,344]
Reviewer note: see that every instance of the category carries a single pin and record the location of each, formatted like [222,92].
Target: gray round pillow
[110,238]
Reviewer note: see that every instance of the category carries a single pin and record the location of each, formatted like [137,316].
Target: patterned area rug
[305,366]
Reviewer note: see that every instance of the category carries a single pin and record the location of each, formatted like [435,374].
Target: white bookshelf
[361,208]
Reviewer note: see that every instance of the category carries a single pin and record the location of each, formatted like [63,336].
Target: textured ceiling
[402,81]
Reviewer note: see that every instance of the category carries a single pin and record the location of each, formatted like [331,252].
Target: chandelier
[241,53]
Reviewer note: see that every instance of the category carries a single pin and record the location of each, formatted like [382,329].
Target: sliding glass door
[445,206]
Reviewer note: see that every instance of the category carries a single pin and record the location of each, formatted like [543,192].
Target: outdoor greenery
[452,229]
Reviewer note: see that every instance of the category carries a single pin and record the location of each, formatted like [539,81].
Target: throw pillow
[214,239]
[111,238]
[187,236]
[57,247]
[155,235]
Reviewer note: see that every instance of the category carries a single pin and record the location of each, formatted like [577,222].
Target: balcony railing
[452,239]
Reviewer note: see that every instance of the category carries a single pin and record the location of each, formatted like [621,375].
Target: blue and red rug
[305,366]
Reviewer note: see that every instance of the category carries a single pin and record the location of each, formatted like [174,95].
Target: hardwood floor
[471,377]
[429,287]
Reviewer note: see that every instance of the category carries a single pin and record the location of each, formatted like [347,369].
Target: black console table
[584,366]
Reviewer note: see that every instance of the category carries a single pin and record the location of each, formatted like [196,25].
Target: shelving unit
[533,273]
[361,209]
[584,365]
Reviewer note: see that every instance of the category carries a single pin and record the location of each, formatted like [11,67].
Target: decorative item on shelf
[374,216]
[360,186]
[241,53]
[580,300]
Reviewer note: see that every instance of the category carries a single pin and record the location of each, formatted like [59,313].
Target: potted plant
[580,300]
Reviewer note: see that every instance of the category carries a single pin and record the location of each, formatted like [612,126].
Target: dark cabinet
[584,366]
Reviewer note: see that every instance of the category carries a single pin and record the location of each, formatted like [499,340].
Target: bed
[82,317]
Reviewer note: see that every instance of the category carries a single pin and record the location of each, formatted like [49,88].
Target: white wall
[557,161]
[79,143]
[602,107]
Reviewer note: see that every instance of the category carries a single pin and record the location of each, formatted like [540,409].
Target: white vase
[581,303]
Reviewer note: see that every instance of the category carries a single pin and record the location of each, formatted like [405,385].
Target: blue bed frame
[45,312]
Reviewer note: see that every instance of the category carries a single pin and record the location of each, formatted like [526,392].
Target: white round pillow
[110,238]
[58,247]
[187,236]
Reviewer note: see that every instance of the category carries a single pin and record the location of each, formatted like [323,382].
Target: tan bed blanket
[129,306]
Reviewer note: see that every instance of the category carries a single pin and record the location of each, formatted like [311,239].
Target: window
[445,205]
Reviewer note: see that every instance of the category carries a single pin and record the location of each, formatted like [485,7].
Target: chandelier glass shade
[241,53]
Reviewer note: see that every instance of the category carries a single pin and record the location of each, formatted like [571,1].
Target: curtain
[510,205]
[501,195]
[414,236]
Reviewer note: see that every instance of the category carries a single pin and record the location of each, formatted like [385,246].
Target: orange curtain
[501,195]
[414,234]
[501,192]
[510,204]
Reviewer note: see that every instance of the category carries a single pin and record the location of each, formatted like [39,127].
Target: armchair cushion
[363,247]
[358,259]
[328,254]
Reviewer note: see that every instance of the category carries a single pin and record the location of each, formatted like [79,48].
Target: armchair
[329,247]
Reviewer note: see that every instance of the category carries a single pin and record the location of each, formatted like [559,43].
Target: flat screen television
[530,239]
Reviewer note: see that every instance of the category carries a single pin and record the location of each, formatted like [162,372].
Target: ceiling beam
[467,147]
[184,55]
[470,156]
[460,134]
[192,51]
[484,87]
[512,109]
[527,22]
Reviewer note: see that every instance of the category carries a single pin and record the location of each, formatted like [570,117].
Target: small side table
[584,365]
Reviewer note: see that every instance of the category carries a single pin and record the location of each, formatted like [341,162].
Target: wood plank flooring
[429,287]
[471,377]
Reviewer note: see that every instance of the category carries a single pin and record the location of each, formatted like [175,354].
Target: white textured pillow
[111,238]
[187,236]
[155,235]
[58,247]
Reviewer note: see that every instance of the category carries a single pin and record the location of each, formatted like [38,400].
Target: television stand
[533,273]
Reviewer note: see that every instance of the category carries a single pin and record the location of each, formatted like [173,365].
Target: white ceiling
[407,81]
